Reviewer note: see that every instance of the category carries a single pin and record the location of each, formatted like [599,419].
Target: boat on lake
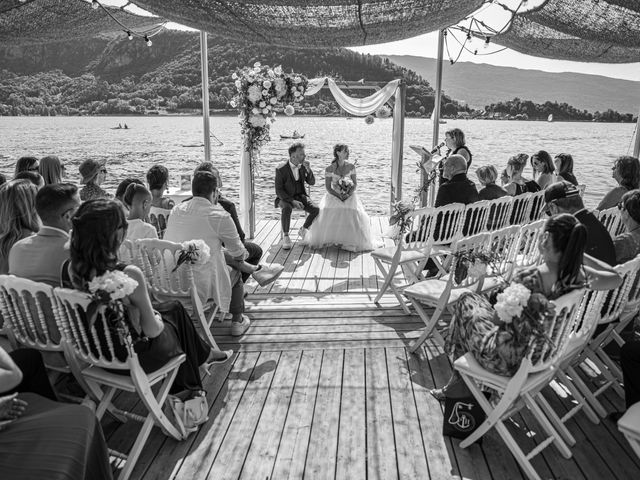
[292,137]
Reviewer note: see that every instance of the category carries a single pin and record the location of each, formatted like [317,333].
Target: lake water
[151,140]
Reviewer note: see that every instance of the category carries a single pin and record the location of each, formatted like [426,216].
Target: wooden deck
[322,386]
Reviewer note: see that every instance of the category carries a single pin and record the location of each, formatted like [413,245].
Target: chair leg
[556,421]
[202,319]
[605,371]
[586,392]
[547,426]
[388,279]
[430,324]
[582,401]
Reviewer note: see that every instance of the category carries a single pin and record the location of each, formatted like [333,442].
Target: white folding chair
[99,347]
[610,218]
[527,254]
[411,250]
[536,206]
[523,388]
[629,425]
[441,293]
[499,213]
[475,220]
[158,217]
[501,242]
[581,189]
[158,259]
[520,207]
[448,223]
[127,253]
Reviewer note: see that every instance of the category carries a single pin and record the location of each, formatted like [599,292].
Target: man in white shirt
[202,218]
[40,257]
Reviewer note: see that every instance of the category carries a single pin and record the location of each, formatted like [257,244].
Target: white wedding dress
[343,224]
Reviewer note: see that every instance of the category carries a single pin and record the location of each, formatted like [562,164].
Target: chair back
[449,221]
[617,300]
[476,215]
[127,253]
[462,252]
[419,235]
[610,218]
[587,316]
[536,206]
[158,217]
[158,259]
[30,309]
[581,189]
[499,212]
[504,242]
[521,204]
[97,344]
[526,254]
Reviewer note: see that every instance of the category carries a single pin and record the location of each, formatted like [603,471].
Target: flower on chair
[193,252]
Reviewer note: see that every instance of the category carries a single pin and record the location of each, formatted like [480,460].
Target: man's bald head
[453,166]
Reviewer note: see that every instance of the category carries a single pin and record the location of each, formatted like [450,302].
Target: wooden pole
[436,112]
[397,144]
[636,146]
[204,69]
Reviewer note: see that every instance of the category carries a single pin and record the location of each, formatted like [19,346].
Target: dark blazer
[457,190]
[492,192]
[286,183]
[599,243]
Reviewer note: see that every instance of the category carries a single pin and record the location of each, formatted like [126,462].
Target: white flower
[263,104]
[273,114]
[301,88]
[255,111]
[254,93]
[512,301]
[281,87]
[116,283]
[296,94]
[273,100]
[257,65]
[278,70]
[297,80]
[289,110]
[266,84]
[233,103]
[257,121]
[265,111]
[271,73]
[265,93]
[198,250]
[238,84]
[234,76]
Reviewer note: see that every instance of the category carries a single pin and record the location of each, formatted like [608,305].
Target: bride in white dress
[342,220]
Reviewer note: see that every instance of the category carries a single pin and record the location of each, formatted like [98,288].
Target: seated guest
[26,164]
[40,257]
[40,437]
[458,188]
[202,218]
[33,177]
[52,169]
[94,173]
[158,180]
[564,168]
[122,187]
[626,171]
[543,168]
[563,197]
[504,177]
[18,216]
[487,177]
[138,200]
[517,184]
[627,244]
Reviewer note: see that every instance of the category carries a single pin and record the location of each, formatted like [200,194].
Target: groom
[291,193]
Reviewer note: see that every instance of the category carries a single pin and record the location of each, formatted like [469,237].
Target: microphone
[438,147]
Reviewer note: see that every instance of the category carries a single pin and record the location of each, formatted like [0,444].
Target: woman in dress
[99,228]
[543,169]
[517,183]
[52,169]
[498,346]
[18,216]
[564,168]
[93,173]
[456,145]
[625,171]
[342,220]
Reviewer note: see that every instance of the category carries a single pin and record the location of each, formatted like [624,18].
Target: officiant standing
[291,177]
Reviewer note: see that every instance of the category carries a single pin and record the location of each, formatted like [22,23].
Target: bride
[342,220]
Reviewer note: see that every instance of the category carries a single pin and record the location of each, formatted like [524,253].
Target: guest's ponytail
[569,237]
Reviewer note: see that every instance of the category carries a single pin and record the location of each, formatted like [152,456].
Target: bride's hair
[338,147]
[569,236]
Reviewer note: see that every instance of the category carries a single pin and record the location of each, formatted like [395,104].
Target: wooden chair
[629,425]
[499,213]
[158,259]
[523,389]
[411,250]
[158,217]
[442,293]
[610,218]
[96,346]
[476,215]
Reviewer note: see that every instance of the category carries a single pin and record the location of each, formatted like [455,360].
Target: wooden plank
[323,441]
[341,271]
[267,233]
[294,443]
[290,259]
[317,345]
[259,329]
[410,451]
[352,442]
[355,272]
[264,445]
[331,315]
[308,282]
[381,444]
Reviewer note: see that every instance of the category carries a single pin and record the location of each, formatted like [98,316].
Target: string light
[129,35]
[149,42]
[94,4]
[487,41]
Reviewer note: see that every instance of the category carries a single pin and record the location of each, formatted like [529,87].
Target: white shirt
[200,219]
[295,169]
[139,229]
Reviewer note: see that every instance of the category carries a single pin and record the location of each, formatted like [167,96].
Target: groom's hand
[306,164]
[297,204]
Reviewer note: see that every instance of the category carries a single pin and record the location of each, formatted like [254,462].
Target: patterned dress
[497,346]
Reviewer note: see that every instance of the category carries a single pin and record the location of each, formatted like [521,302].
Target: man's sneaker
[267,274]
[302,232]
[286,242]
[238,328]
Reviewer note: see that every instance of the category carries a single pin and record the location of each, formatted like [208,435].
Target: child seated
[138,200]
[158,180]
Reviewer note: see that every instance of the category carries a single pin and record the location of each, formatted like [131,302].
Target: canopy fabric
[314,24]
[606,31]
[43,21]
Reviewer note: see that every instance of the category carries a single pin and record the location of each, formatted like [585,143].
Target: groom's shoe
[302,232]
[286,242]
[267,274]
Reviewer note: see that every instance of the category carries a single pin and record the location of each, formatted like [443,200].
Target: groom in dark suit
[291,193]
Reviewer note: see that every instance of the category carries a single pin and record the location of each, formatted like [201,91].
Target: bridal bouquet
[111,290]
[345,184]
[193,252]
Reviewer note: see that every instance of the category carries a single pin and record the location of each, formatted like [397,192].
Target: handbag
[462,414]
[188,411]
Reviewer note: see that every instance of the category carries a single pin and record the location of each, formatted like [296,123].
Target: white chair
[449,222]
[158,217]
[523,388]
[442,293]
[158,259]
[499,213]
[520,207]
[610,218]
[127,253]
[101,349]
[527,254]
[581,189]
[475,220]
[629,425]
[503,243]
[536,206]
[411,250]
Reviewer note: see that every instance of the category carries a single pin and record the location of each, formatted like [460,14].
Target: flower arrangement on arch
[193,252]
[259,90]
[111,290]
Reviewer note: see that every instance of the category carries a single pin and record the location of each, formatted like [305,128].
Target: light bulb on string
[469,37]
[149,42]
[486,42]
[129,35]
[94,4]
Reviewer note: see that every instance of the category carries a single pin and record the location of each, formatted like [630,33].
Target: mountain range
[480,84]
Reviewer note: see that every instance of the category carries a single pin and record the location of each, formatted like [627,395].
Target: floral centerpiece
[260,89]
[111,290]
[345,184]
[193,252]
